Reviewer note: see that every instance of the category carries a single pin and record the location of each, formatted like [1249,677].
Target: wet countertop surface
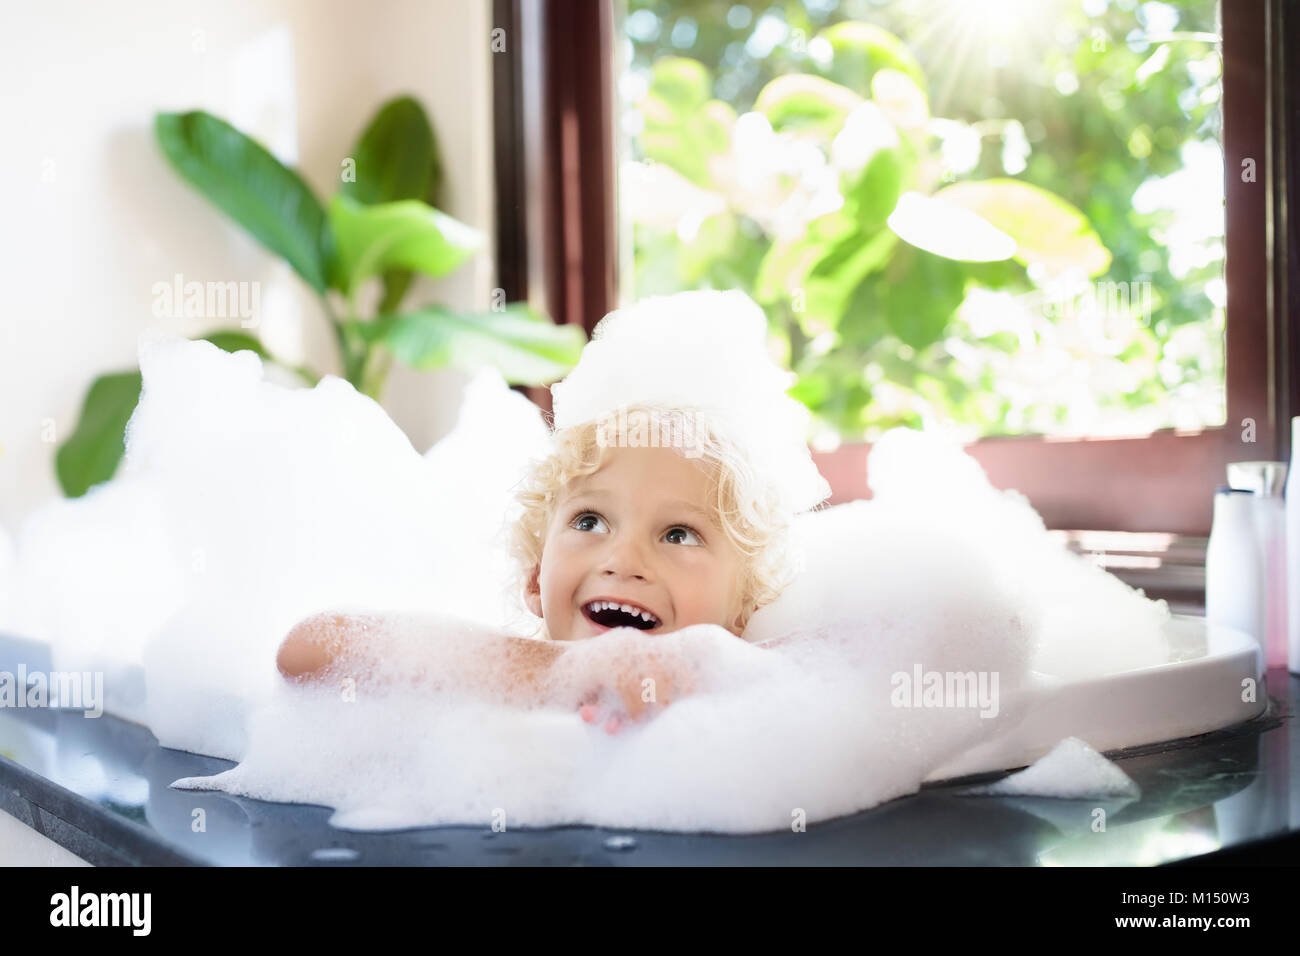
[100,788]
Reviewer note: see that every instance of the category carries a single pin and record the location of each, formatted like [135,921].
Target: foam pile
[244,506]
[1071,770]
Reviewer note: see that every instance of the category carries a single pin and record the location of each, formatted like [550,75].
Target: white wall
[95,217]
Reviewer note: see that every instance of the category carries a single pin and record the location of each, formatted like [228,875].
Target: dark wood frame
[557,186]
[555,160]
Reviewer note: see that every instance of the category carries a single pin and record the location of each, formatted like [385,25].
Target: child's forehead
[666,495]
[649,470]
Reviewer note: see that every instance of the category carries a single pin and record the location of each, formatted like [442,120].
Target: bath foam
[244,506]
[772,737]
[1072,770]
[1086,622]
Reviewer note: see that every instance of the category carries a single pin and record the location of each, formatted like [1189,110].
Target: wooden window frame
[557,248]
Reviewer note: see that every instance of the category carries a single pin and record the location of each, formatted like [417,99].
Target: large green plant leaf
[396,158]
[527,348]
[919,296]
[873,194]
[408,234]
[683,127]
[859,49]
[1047,229]
[799,102]
[239,176]
[786,264]
[832,281]
[93,450]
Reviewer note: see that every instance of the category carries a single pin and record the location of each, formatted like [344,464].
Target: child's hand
[627,678]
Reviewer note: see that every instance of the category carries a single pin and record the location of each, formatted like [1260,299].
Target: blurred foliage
[380,227]
[1043,119]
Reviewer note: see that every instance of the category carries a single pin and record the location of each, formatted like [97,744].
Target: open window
[1134,151]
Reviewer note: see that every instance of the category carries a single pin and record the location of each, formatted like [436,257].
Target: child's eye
[580,519]
[685,530]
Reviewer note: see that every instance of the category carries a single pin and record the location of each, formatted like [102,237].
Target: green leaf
[230,340]
[872,196]
[799,102]
[832,281]
[233,340]
[408,234]
[860,49]
[92,452]
[683,127]
[396,156]
[240,177]
[527,348]
[1047,229]
[714,242]
[919,296]
[94,449]
[786,263]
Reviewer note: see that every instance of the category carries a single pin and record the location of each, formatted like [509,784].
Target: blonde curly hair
[746,510]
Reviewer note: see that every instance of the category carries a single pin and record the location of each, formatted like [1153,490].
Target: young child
[646,519]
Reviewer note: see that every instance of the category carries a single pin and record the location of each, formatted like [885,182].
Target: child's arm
[432,652]
[618,677]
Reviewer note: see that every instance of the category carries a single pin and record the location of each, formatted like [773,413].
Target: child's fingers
[614,724]
[589,713]
[632,702]
[664,691]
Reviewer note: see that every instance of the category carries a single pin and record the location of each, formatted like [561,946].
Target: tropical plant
[786,150]
[381,225]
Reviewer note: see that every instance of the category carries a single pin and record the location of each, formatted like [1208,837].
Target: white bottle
[1234,573]
[1293,550]
[1265,479]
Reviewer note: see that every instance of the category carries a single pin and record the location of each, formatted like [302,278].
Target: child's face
[637,531]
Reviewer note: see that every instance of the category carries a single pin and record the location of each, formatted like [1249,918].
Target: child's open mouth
[611,614]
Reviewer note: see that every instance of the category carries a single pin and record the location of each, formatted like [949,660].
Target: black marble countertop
[100,788]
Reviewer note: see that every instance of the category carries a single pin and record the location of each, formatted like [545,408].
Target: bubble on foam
[244,507]
[1071,770]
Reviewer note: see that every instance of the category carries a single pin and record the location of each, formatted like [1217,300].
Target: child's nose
[625,559]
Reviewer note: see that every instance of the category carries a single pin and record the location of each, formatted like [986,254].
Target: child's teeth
[597,606]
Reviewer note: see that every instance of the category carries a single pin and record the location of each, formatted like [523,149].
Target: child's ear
[533,592]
